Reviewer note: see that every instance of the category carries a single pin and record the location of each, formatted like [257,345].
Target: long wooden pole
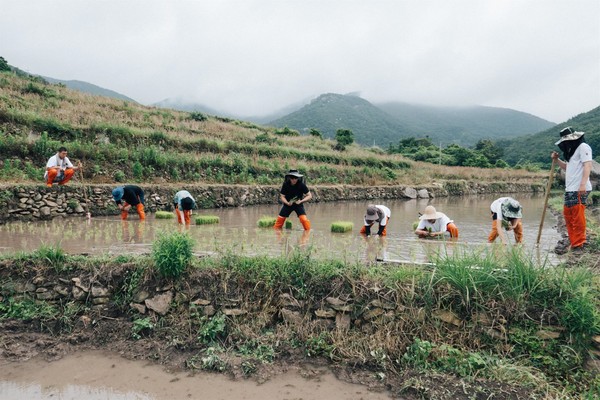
[88,215]
[537,242]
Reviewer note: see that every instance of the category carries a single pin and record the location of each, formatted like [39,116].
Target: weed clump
[207,220]
[172,254]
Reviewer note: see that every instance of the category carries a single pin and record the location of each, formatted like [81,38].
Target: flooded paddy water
[238,231]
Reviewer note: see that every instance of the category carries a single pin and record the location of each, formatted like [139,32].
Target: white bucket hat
[431,213]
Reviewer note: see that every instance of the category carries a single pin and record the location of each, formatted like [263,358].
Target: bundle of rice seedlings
[288,224]
[267,222]
[207,219]
[341,226]
[164,215]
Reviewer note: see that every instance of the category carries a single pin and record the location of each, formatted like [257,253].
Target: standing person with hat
[183,203]
[376,213]
[577,167]
[59,168]
[507,213]
[434,223]
[294,193]
[129,196]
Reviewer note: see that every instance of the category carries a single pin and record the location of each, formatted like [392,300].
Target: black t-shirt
[294,191]
[130,195]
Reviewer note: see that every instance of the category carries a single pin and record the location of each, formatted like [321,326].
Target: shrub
[341,226]
[119,176]
[207,220]
[164,215]
[172,253]
[198,116]
[285,131]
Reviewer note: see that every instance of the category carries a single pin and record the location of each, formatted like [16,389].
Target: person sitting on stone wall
[59,168]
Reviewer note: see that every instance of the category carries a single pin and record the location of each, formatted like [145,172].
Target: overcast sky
[253,57]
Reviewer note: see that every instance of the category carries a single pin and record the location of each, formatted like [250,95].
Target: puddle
[101,376]
[238,231]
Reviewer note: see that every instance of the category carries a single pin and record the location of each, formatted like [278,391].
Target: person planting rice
[376,213]
[59,168]
[435,224]
[577,167]
[507,214]
[129,196]
[183,203]
[294,193]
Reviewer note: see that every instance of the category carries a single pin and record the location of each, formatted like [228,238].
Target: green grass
[341,226]
[207,220]
[267,222]
[164,215]
[172,254]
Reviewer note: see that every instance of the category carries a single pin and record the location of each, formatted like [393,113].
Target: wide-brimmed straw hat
[294,173]
[511,209]
[569,134]
[372,213]
[118,193]
[431,213]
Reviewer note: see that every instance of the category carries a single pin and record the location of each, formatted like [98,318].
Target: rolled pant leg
[68,175]
[576,224]
[51,177]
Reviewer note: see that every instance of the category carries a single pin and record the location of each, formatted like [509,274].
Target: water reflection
[238,232]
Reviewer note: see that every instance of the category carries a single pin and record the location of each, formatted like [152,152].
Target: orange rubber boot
[279,223]
[305,222]
[453,229]
[140,211]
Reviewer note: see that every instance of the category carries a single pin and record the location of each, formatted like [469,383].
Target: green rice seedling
[164,215]
[172,254]
[52,255]
[341,226]
[266,222]
[207,220]
[288,224]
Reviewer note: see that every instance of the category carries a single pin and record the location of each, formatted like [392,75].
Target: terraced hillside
[123,141]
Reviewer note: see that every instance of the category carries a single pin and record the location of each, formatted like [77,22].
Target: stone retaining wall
[37,202]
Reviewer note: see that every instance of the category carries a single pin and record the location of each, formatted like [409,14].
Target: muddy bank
[36,202]
[253,317]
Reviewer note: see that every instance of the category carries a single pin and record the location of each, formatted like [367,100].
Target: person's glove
[367,230]
[380,230]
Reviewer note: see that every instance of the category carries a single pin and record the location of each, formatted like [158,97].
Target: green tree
[490,150]
[4,65]
[344,137]
[316,133]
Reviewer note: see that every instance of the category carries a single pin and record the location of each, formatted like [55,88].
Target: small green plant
[319,345]
[288,224]
[53,255]
[266,222]
[164,215]
[72,204]
[207,220]
[119,176]
[172,254]
[138,170]
[341,226]
[141,327]
[27,310]
[212,328]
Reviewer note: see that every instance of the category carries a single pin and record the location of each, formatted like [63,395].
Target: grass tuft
[207,220]
[172,254]
[267,222]
[164,215]
[341,226]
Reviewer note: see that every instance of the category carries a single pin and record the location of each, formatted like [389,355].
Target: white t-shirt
[56,161]
[496,206]
[574,172]
[386,215]
[438,226]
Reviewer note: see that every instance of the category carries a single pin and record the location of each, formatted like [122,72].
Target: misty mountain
[537,147]
[90,88]
[387,123]
[465,125]
[330,112]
